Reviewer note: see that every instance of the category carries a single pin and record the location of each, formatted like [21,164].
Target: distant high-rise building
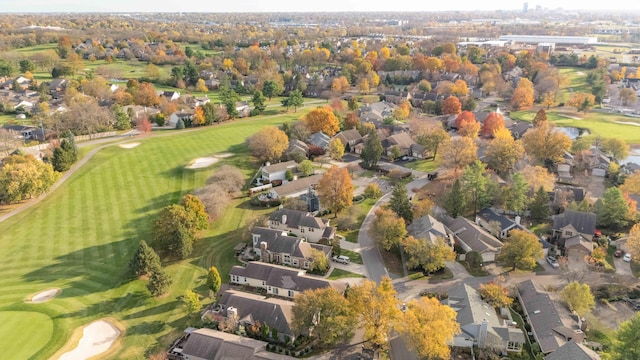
[525,7]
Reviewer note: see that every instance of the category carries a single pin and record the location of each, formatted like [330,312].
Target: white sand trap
[129,145]
[627,123]
[97,338]
[202,162]
[224,155]
[580,73]
[45,295]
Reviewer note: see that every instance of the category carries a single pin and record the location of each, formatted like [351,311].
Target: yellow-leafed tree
[335,189]
[429,327]
[268,144]
[322,119]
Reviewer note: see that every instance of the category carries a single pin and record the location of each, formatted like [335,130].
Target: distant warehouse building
[562,40]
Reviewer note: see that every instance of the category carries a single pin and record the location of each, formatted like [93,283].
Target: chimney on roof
[482,334]
[517,219]
[263,251]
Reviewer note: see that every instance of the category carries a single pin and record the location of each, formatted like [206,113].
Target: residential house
[596,160]
[57,87]
[212,84]
[397,97]
[376,112]
[249,309]
[349,139]
[302,224]
[548,322]
[296,149]
[277,171]
[209,344]
[576,248]
[519,129]
[418,98]
[427,227]
[25,132]
[480,324]
[279,280]
[573,350]
[185,116]
[138,112]
[572,223]
[471,237]
[402,140]
[563,195]
[497,224]
[276,246]
[199,101]
[171,95]
[419,151]
[296,188]
[319,139]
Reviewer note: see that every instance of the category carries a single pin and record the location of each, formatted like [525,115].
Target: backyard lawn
[80,239]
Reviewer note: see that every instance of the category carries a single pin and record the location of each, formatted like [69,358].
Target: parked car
[342,259]
[553,262]
[618,253]
[627,258]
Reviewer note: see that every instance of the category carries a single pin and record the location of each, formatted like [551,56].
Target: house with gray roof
[209,344]
[573,351]
[297,147]
[572,223]
[547,326]
[296,188]
[250,308]
[497,224]
[302,224]
[402,140]
[275,246]
[279,280]
[376,112]
[480,324]
[471,237]
[320,139]
[427,227]
[349,139]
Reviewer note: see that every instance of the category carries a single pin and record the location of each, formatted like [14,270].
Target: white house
[302,224]
[277,171]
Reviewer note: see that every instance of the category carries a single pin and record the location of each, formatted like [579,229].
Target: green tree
[617,148]
[454,200]
[319,261]
[578,297]
[26,65]
[191,301]
[144,260]
[475,184]
[198,217]
[387,229]
[213,279]
[5,68]
[372,191]
[123,121]
[172,232]
[306,167]
[377,309]
[325,315]
[64,155]
[352,103]
[521,250]
[612,209]
[159,282]
[271,89]
[628,337]
[258,102]
[295,99]
[539,206]
[372,151]
[516,194]
[400,203]
[23,177]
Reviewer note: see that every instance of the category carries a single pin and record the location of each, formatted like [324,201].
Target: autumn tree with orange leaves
[523,95]
[268,144]
[340,85]
[198,118]
[493,122]
[146,95]
[322,119]
[451,105]
[464,117]
[335,189]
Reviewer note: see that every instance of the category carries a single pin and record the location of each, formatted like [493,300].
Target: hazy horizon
[124,6]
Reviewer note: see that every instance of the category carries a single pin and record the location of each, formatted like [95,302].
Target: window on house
[290,293]
[302,231]
[275,291]
[568,233]
[311,229]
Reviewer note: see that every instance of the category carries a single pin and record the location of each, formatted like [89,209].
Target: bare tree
[214,198]
[228,178]
[9,141]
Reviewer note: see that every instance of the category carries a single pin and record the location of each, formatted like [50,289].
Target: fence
[40,147]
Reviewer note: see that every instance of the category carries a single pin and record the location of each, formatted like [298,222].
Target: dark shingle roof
[472,235]
[489,215]
[584,222]
[283,277]
[295,218]
[213,345]
[253,308]
[543,315]
[573,351]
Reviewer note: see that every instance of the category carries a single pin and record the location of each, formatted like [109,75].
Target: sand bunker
[627,123]
[97,338]
[202,162]
[129,145]
[224,155]
[45,295]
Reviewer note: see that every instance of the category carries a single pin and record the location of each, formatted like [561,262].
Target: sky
[298,5]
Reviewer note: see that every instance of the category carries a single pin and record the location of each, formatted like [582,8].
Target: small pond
[573,132]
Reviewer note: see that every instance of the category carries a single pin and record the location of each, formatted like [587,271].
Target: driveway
[622,267]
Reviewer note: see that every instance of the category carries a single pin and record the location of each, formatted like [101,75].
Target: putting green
[24,333]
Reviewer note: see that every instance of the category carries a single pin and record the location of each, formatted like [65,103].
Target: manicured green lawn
[81,237]
[354,257]
[603,124]
[341,274]
[35,330]
[575,81]
[424,165]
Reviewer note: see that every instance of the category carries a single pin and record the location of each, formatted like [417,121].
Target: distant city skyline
[39,6]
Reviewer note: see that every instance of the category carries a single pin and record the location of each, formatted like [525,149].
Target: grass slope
[36,328]
[80,238]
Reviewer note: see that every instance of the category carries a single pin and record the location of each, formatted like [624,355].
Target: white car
[627,257]
[553,262]
[342,259]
